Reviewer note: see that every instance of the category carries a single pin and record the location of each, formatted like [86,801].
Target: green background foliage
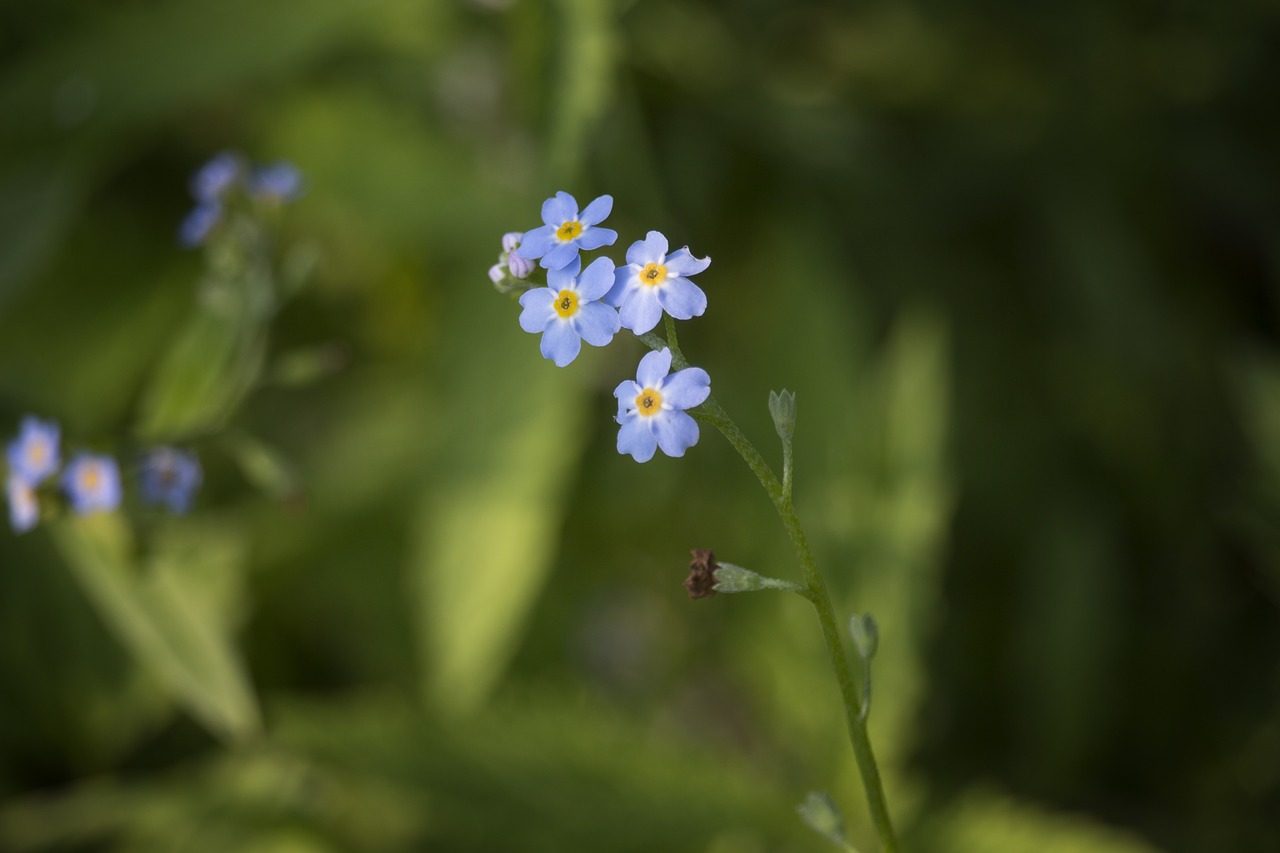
[1018,263]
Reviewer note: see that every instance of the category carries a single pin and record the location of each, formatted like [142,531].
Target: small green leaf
[822,816]
[731,578]
[170,626]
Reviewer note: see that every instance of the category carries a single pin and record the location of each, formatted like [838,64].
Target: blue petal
[536,243]
[596,279]
[596,322]
[559,209]
[561,343]
[626,392]
[595,237]
[686,388]
[597,211]
[676,432]
[682,262]
[653,367]
[561,256]
[539,308]
[564,278]
[622,278]
[682,298]
[640,310]
[635,438]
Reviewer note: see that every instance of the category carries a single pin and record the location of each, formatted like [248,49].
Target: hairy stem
[815,590]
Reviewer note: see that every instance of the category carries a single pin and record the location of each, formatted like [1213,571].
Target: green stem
[815,590]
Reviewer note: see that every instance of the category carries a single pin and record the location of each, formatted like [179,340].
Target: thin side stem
[815,590]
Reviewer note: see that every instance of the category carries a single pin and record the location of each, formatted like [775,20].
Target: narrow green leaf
[170,627]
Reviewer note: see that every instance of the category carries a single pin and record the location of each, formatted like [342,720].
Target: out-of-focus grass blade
[488,534]
[206,371]
[165,618]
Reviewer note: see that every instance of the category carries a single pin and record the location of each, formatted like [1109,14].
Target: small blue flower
[566,231]
[24,509]
[199,224]
[278,183]
[215,178]
[651,409]
[33,456]
[567,311]
[653,282]
[170,477]
[92,482]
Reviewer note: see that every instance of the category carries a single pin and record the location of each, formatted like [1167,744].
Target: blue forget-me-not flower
[651,409]
[33,456]
[278,183]
[567,231]
[653,281]
[568,311]
[92,483]
[24,508]
[214,179]
[170,477]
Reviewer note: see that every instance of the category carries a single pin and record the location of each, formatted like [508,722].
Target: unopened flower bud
[520,267]
[511,241]
[497,273]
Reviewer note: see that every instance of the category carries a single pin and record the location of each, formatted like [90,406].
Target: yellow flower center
[649,402]
[37,452]
[653,275]
[569,230]
[89,478]
[567,303]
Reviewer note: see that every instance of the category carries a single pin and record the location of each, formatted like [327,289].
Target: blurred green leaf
[166,617]
[211,364]
[489,534]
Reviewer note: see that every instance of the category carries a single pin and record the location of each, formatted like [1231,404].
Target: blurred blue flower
[215,178]
[651,409]
[33,455]
[170,477]
[567,310]
[199,224]
[653,281]
[92,483]
[278,183]
[24,509]
[566,231]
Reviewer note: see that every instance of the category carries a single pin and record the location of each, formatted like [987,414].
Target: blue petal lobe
[536,243]
[635,438]
[686,388]
[561,256]
[538,309]
[682,262]
[597,211]
[596,280]
[596,323]
[653,367]
[559,209]
[640,310]
[626,392]
[676,432]
[595,237]
[682,298]
[560,343]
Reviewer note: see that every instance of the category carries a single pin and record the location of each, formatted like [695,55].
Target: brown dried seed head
[701,582]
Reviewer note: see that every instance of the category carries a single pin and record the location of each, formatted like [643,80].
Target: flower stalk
[814,590]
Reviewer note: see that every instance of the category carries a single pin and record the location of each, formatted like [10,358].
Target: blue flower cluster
[90,482]
[593,303]
[215,183]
